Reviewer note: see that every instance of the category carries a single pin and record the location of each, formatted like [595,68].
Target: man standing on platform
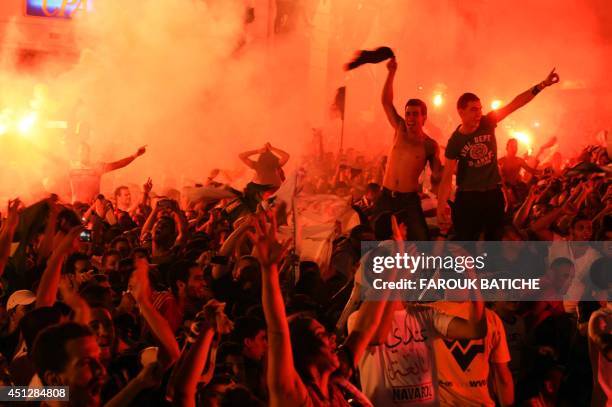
[472,153]
[412,150]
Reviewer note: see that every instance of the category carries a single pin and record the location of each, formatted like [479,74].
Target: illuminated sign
[55,8]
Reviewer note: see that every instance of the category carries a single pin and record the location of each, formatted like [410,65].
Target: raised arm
[371,312]
[182,225]
[46,245]
[227,249]
[244,157]
[387,95]
[82,311]
[149,377]
[209,321]
[283,381]
[107,167]
[49,282]
[541,226]
[526,97]
[146,190]
[160,328]
[522,214]
[148,225]
[528,168]
[283,155]
[546,146]
[7,231]
[188,374]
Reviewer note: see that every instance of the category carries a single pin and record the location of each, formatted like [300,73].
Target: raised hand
[214,313]
[141,151]
[551,79]
[139,282]
[148,186]
[551,142]
[392,65]
[268,250]
[12,218]
[66,288]
[70,239]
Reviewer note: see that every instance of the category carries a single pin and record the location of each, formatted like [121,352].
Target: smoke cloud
[197,85]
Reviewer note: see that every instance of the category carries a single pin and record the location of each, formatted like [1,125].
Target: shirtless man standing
[511,165]
[85,175]
[510,170]
[411,151]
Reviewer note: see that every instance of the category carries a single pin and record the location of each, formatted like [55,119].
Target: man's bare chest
[413,150]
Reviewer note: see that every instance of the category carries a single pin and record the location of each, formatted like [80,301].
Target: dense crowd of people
[203,302]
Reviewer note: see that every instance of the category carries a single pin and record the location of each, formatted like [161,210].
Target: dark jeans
[407,207]
[475,212]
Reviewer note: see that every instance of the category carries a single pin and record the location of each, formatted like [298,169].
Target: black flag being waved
[370,57]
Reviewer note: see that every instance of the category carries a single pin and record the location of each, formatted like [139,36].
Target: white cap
[20,297]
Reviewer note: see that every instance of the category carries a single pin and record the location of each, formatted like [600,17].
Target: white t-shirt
[402,371]
[600,322]
[463,365]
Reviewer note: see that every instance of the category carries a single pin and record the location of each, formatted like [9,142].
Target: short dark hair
[466,98]
[97,296]
[228,349]
[372,186]
[35,321]
[417,103]
[579,218]
[119,189]
[599,273]
[49,351]
[179,271]
[167,237]
[70,267]
[247,328]
[67,219]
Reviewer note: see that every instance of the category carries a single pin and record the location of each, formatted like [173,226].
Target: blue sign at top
[55,8]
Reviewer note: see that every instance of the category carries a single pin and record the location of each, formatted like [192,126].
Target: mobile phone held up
[85,236]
